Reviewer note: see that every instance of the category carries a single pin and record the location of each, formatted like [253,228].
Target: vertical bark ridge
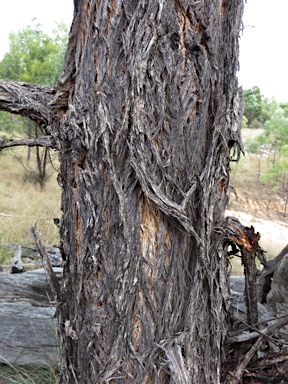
[152,109]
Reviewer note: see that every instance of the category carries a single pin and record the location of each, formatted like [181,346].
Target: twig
[264,332]
[268,320]
[238,372]
[259,332]
[52,279]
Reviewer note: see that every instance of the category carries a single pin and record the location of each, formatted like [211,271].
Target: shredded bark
[29,100]
[146,114]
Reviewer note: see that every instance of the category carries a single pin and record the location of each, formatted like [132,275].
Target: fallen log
[27,307]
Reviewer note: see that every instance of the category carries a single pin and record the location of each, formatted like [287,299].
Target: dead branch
[238,372]
[52,279]
[258,332]
[45,141]
[247,240]
[272,328]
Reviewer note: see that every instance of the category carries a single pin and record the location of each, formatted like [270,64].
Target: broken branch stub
[247,240]
[51,277]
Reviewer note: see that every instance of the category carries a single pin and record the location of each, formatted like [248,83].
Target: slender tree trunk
[146,112]
[259,168]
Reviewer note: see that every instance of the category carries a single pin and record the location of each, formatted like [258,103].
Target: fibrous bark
[144,117]
[29,100]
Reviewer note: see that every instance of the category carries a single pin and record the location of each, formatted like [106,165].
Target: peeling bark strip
[145,114]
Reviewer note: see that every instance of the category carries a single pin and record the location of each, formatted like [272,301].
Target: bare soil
[255,203]
[259,206]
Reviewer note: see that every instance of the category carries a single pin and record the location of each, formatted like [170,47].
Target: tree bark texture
[146,111]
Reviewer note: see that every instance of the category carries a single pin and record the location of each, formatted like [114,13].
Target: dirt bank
[274,233]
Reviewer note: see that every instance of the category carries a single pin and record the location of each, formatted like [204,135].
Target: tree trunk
[146,112]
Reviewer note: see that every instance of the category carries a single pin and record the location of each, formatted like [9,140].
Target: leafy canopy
[259,109]
[33,57]
[253,104]
[276,129]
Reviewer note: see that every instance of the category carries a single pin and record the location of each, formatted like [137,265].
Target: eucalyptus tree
[144,116]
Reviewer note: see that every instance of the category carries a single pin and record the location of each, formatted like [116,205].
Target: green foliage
[253,145]
[275,133]
[33,56]
[244,122]
[268,108]
[279,172]
[255,124]
[28,374]
[253,104]
[11,124]
[276,129]
[284,106]
[277,176]
[258,109]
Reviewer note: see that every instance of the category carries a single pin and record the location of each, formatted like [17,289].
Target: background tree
[269,107]
[253,105]
[276,132]
[278,176]
[254,146]
[33,57]
[259,109]
[284,106]
[144,116]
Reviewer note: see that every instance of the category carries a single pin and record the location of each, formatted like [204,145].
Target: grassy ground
[26,374]
[22,204]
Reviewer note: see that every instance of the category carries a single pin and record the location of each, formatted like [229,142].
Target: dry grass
[28,374]
[25,204]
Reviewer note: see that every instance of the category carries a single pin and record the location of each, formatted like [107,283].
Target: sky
[263,44]
[17,14]
[263,49]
